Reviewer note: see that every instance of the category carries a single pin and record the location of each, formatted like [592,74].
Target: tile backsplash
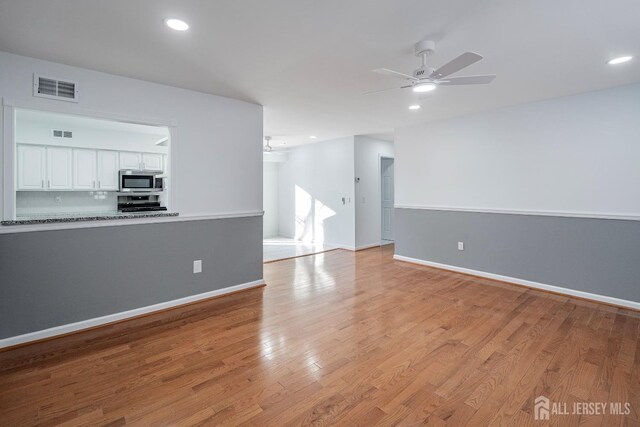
[62,202]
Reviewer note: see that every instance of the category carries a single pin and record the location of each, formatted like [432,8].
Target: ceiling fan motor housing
[424,47]
[423,72]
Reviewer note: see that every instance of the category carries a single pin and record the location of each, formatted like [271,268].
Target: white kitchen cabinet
[31,167]
[152,161]
[84,169]
[59,168]
[108,167]
[129,160]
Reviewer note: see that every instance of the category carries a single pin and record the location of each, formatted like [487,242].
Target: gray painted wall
[53,278]
[599,256]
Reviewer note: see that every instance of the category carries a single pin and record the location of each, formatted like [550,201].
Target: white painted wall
[312,183]
[217,156]
[578,154]
[270,199]
[31,130]
[367,191]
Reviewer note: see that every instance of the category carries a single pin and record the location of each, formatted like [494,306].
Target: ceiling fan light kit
[426,78]
[424,87]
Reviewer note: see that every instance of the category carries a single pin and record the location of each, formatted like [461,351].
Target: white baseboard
[345,247]
[557,289]
[372,245]
[356,248]
[97,321]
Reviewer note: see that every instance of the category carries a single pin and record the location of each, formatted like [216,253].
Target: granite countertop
[71,217]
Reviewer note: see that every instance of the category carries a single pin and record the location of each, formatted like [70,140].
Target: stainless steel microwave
[136,181]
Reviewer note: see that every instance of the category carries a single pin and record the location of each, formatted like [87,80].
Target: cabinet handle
[42,184]
[98,184]
[94,184]
[48,183]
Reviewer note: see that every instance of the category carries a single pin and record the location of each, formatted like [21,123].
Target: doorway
[293,218]
[387,222]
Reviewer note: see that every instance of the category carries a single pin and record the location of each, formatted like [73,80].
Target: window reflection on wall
[310,217]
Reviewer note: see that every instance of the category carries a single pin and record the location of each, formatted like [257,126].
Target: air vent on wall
[47,87]
[56,133]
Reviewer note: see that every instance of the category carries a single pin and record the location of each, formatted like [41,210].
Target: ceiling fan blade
[468,80]
[385,90]
[457,64]
[396,74]
[380,90]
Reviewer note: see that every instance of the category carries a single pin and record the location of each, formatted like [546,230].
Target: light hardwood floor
[337,338]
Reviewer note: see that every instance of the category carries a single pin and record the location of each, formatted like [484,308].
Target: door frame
[380,157]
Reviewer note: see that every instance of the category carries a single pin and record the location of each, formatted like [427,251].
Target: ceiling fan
[426,78]
[267,148]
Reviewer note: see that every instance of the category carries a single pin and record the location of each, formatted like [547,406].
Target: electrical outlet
[461,246]
[197,266]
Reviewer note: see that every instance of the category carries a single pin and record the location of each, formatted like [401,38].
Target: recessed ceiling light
[313,137]
[414,107]
[424,87]
[176,24]
[283,143]
[620,60]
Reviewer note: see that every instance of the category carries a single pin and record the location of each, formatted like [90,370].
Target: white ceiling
[308,61]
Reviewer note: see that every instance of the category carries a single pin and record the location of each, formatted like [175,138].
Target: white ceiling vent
[48,87]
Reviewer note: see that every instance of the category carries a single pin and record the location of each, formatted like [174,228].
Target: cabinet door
[130,160]
[152,161]
[59,168]
[108,170]
[84,169]
[31,167]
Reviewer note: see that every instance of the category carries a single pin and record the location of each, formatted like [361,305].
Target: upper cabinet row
[61,168]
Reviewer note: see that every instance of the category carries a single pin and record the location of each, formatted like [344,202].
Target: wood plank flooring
[337,338]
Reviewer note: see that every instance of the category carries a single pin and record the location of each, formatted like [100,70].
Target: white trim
[557,289]
[379,192]
[97,321]
[76,110]
[8,160]
[354,248]
[371,245]
[339,246]
[595,215]
[8,229]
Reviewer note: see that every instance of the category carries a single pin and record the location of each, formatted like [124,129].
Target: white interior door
[386,180]
[108,170]
[31,167]
[59,168]
[84,170]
